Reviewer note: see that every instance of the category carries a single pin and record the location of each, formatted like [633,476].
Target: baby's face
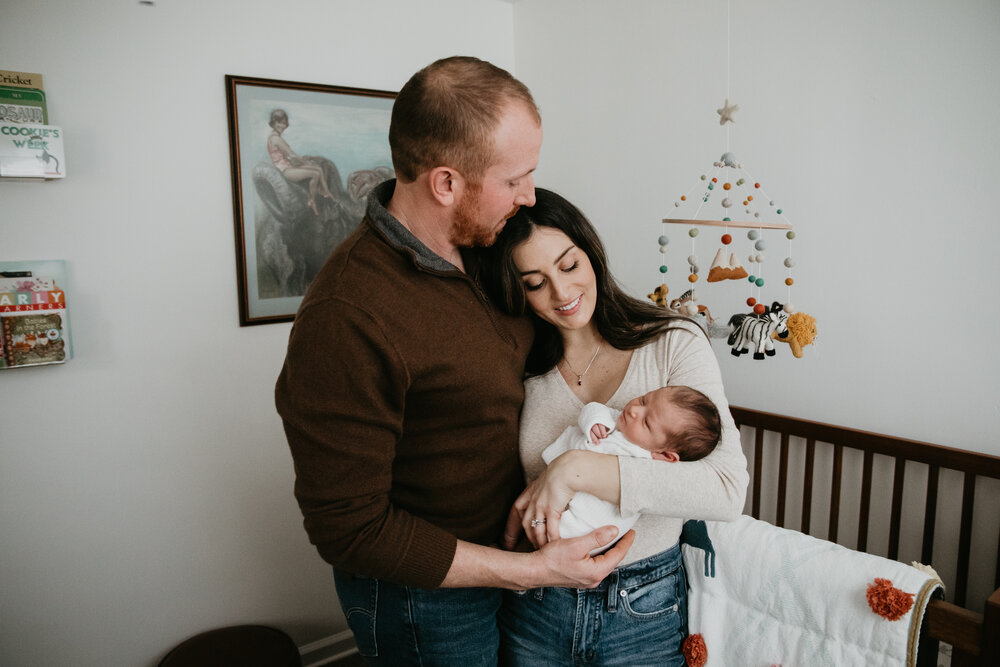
[649,420]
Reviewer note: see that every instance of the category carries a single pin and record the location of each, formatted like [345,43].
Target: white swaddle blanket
[586,512]
[780,597]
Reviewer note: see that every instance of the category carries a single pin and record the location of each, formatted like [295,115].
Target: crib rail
[974,636]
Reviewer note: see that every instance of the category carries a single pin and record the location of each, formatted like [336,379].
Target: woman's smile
[571,307]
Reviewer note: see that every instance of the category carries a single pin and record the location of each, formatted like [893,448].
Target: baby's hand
[598,432]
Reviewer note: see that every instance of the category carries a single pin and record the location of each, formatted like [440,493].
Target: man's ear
[666,455]
[444,183]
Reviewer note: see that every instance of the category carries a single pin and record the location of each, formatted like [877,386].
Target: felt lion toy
[801,332]
[659,295]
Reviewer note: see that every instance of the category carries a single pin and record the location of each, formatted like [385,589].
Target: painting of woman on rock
[293,204]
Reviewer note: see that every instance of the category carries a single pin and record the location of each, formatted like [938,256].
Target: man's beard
[466,232]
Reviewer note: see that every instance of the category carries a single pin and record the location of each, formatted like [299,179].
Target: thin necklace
[579,376]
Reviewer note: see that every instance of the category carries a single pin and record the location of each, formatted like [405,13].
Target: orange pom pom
[727,186]
[693,278]
[694,650]
[887,601]
[789,281]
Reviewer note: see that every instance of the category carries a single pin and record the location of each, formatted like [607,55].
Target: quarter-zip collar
[397,234]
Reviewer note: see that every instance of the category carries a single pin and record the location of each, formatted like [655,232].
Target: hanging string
[706,196]
[728,64]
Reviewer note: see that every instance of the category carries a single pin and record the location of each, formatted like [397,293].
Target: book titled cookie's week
[31,151]
[34,321]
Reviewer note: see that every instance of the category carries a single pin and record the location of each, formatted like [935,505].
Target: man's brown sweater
[400,396]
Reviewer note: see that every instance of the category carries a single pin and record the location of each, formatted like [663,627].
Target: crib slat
[962,659]
[782,481]
[838,467]
[965,538]
[991,621]
[930,514]
[866,502]
[807,486]
[897,507]
[758,463]
[996,572]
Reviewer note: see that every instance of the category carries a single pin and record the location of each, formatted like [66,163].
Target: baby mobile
[738,202]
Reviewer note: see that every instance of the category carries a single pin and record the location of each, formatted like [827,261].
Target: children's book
[34,151]
[22,98]
[23,105]
[9,77]
[34,320]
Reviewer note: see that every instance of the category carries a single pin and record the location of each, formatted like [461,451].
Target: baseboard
[328,650]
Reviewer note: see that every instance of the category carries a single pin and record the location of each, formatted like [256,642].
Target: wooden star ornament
[726,112]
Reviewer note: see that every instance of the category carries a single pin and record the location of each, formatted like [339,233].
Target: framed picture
[304,158]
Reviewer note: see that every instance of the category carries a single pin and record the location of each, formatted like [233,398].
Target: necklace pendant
[579,376]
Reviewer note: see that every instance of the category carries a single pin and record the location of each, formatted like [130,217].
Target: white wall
[154,500]
[145,486]
[873,125]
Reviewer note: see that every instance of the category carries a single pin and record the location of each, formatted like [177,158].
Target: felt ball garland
[664,243]
[789,281]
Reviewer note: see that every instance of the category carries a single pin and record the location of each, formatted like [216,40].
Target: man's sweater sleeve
[341,397]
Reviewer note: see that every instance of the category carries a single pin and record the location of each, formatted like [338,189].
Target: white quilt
[779,597]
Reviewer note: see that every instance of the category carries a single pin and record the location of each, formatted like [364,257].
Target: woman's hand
[548,496]
[538,508]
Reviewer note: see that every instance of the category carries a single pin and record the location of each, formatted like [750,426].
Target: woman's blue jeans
[636,616]
[396,626]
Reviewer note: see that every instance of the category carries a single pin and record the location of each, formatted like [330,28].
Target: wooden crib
[802,468]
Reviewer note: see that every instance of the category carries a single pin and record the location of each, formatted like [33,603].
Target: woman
[293,167]
[595,343]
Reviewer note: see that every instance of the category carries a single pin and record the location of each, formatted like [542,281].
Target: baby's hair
[698,437]
[278,115]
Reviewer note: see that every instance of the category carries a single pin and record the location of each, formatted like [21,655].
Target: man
[401,389]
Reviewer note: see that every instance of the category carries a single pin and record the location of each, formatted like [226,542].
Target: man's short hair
[446,114]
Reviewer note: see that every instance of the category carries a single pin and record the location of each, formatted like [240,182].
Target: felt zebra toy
[755,330]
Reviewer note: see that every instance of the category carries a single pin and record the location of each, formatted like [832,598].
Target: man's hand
[559,563]
[568,562]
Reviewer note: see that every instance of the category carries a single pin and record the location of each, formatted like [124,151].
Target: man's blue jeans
[396,625]
[637,616]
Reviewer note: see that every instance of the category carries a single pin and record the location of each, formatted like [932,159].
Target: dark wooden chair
[243,645]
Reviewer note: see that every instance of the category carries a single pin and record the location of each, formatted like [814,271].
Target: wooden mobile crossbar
[729,223]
